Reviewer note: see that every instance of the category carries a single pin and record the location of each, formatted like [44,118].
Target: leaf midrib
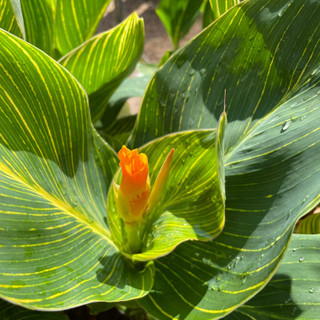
[57,203]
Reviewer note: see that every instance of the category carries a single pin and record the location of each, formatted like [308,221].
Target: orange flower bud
[133,193]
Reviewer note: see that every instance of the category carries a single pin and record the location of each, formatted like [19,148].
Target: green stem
[133,237]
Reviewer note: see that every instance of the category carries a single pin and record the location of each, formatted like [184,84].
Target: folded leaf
[310,224]
[192,203]
[101,63]
[55,171]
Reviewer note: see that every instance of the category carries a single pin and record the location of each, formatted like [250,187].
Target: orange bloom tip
[134,166]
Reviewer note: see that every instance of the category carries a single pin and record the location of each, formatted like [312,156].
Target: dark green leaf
[293,292]
[178,17]
[267,58]
[117,134]
[208,16]
[9,311]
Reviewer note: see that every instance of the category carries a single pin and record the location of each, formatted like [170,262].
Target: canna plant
[65,30]
[194,233]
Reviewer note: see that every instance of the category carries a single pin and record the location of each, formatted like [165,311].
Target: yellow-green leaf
[310,224]
[101,63]
[11,17]
[75,22]
[192,203]
[55,171]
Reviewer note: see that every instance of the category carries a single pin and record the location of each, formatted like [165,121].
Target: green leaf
[39,20]
[293,292]
[117,134]
[219,7]
[130,87]
[101,63]
[178,17]
[208,16]
[76,22]
[165,57]
[58,26]
[12,312]
[192,205]
[16,6]
[8,20]
[310,224]
[271,156]
[55,172]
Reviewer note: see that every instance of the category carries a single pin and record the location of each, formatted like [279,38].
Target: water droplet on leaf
[286,126]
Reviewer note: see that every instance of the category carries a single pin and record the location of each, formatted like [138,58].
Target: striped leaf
[192,205]
[11,312]
[8,20]
[219,7]
[271,156]
[208,16]
[101,63]
[178,17]
[76,21]
[55,172]
[310,224]
[293,292]
[39,20]
[58,26]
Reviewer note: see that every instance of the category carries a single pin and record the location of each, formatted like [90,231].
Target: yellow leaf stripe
[272,147]
[102,62]
[55,172]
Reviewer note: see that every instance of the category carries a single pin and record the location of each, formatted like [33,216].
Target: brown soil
[157,41]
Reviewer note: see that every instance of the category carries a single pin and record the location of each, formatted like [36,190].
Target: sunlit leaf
[101,63]
[8,20]
[192,204]
[219,7]
[76,21]
[310,224]
[55,172]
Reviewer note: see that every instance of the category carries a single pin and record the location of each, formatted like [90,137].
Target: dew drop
[286,126]
[311,290]
[294,249]
[301,259]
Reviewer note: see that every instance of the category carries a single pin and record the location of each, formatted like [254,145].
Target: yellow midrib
[65,207]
